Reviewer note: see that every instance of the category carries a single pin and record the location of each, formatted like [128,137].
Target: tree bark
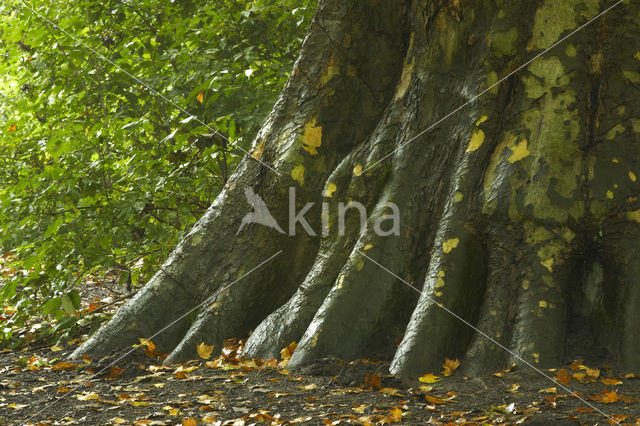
[519,212]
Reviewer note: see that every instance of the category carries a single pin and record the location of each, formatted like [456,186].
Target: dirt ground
[43,387]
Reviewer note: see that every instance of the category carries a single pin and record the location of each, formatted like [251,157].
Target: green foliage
[98,172]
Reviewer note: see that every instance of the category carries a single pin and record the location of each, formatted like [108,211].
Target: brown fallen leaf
[114,373]
[373,381]
[562,377]
[63,365]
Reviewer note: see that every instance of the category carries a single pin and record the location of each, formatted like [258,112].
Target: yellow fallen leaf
[449,366]
[505,371]
[429,378]
[308,387]
[55,348]
[549,390]
[88,397]
[204,350]
[611,381]
[395,415]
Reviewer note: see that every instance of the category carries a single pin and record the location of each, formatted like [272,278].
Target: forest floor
[41,386]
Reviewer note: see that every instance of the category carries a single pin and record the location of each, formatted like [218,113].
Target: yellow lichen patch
[405,79]
[635,124]
[525,284]
[312,137]
[329,190]
[368,247]
[357,170]
[519,151]
[548,264]
[543,304]
[504,43]
[615,160]
[440,280]
[554,18]
[298,174]
[438,293]
[314,341]
[571,51]
[610,195]
[449,245]
[492,81]
[618,128]
[632,176]
[477,138]
[632,76]
[329,72]
[481,120]
[458,196]
[634,215]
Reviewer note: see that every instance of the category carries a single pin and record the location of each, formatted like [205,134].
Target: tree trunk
[519,212]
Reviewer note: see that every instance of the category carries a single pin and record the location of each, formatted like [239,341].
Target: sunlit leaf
[204,350]
[429,378]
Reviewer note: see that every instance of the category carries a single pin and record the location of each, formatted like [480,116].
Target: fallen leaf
[88,397]
[287,352]
[611,381]
[373,381]
[55,348]
[391,391]
[200,99]
[505,371]
[17,406]
[429,378]
[114,373]
[359,409]
[63,365]
[308,387]
[434,399]
[576,365]
[190,421]
[395,415]
[562,377]
[514,388]
[204,350]
[449,366]
[549,390]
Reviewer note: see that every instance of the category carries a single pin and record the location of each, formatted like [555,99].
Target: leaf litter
[230,390]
